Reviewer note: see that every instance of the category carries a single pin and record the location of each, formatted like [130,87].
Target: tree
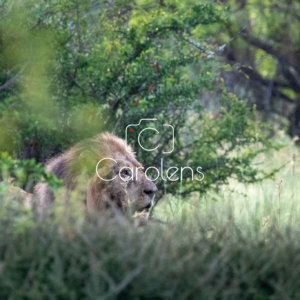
[73,68]
[265,53]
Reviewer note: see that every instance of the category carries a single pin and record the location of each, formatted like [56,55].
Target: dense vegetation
[71,69]
[108,260]
[225,75]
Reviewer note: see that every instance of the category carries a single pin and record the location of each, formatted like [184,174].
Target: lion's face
[129,189]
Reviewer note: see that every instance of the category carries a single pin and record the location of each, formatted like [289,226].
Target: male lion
[78,165]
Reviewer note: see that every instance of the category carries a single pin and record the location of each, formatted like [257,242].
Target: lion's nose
[150,193]
[150,190]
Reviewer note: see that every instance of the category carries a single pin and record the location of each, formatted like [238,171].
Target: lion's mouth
[145,209]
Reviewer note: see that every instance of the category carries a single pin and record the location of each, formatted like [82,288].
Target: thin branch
[267,48]
[75,82]
[255,76]
[201,49]
[118,122]
[12,80]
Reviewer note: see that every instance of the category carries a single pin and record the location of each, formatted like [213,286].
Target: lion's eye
[126,173]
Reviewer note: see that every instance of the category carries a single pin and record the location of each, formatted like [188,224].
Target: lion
[18,194]
[123,185]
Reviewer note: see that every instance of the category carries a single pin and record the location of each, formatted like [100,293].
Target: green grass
[111,259]
[247,204]
[212,247]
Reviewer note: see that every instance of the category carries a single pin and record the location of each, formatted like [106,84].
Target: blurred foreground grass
[208,249]
[114,260]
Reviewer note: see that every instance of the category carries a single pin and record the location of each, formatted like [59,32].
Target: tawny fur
[78,165]
[20,195]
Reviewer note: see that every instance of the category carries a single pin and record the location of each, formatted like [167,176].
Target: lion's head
[126,185]
[129,190]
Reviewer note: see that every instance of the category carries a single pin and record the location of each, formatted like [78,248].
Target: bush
[71,69]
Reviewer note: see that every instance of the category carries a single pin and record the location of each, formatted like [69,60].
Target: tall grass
[277,199]
[240,243]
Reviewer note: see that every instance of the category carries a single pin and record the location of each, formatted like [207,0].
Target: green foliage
[76,68]
[264,46]
[24,171]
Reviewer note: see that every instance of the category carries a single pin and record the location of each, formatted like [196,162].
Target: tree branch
[255,76]
[268,48]
[12,80]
